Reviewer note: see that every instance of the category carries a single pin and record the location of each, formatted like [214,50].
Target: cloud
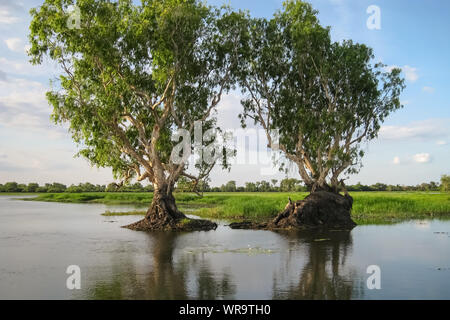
[15,44]
[422,158]
[23,67]
[396,160]
[441,143]
[409,72]
[20,160]
[23,105]
[430,129]
[12,5]
[428,89]
[6,17]
[8,9]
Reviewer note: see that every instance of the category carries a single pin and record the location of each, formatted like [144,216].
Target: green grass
[368,207]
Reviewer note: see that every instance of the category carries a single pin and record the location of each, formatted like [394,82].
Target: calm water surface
[38,240]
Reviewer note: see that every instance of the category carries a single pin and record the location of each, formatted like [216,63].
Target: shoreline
[368,208]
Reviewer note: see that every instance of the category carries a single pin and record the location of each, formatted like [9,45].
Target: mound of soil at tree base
[318,210]
[184,224]
[163,215]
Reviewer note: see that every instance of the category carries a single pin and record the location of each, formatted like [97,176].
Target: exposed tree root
[320,209]
[163,215]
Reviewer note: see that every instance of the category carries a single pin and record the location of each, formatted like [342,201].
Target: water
[39,240]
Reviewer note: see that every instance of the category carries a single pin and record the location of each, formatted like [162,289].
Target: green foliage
[32,187]
[230,186]
[445,182]
[11,187]
[325,98]
[287,185]
[132,74]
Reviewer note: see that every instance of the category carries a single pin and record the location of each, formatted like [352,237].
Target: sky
[413,145]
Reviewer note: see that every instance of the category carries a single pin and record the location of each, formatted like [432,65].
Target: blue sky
[414,143]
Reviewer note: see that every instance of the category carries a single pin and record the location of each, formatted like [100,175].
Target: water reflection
[165,279]
[315,269]
[39,240]
[325,275]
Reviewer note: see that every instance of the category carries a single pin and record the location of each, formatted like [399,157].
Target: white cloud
[430,129]
[422,158]
[14,44]
[441,142]
[396,160]
[23,67]
[428,89]
[410,72]
[23,105]
[6,17]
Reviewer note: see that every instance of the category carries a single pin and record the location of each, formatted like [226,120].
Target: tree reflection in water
[325,275]
[308,265]
[189,278]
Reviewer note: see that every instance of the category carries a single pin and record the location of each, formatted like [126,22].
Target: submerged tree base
[184,224]
[163,215]
[318,210]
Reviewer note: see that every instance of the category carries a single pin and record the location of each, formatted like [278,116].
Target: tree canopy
[325,98]
[133,75]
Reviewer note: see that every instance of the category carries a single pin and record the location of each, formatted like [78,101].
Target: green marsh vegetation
[368,207]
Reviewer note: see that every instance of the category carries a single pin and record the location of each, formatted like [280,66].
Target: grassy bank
[368,208]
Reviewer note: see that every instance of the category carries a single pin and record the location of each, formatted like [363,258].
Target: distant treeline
[184,185]
[82,187]
[292,185]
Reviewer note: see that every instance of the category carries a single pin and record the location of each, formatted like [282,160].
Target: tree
[183,184]
[264,186]
[132,76]
[324,98]
[32,187]
[445,182]
[230,186]
[379,187]
[287,184]
[56,188]
[11,187]
[250,187]
[112,187]
[74,189]
[274,183]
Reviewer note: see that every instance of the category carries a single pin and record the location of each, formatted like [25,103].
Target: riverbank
[368,207]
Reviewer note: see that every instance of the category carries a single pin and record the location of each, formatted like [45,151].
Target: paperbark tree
[133,75]
[324,98]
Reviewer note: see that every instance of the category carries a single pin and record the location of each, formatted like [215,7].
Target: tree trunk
[163,208]
[163,214]
[316,187]
[322,209]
